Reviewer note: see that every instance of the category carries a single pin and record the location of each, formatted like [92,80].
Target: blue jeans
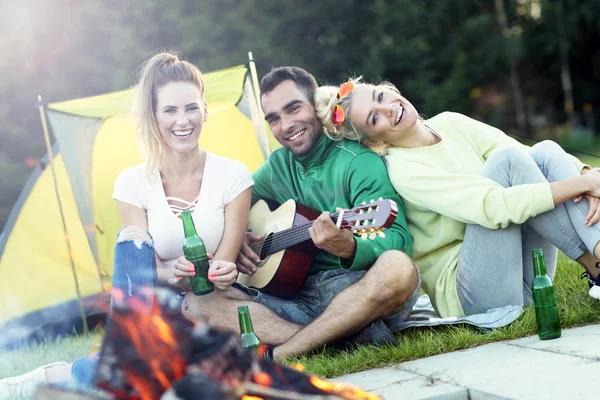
[495,266]
[134,268]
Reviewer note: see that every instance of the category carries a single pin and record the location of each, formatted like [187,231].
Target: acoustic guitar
[287,251]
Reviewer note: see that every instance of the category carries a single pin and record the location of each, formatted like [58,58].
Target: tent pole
[261,115]
[62,215]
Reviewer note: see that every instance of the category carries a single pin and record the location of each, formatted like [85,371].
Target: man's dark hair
[303,80]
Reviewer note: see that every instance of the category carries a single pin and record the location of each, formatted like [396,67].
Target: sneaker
[586,275]
[24,386]
[593,284]
[376,334]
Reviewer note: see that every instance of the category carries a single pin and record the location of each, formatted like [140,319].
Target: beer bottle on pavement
[247,335]
[195,252]
[544,300]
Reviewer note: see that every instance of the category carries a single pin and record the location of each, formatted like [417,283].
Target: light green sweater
[443,190]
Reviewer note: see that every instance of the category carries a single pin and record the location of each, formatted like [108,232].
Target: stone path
[527,368]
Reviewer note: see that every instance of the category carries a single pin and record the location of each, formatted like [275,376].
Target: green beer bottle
[544,300]
[248,337]
[195,252]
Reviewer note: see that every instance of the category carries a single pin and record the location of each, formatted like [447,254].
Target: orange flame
[156,345]
[298,367]
[342,390]
[154,342]
[263,379]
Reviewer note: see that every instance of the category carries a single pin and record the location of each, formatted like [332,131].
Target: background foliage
[442,54]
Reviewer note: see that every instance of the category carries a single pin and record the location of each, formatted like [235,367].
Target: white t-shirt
[223,180]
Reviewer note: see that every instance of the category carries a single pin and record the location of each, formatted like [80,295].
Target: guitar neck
[288,237]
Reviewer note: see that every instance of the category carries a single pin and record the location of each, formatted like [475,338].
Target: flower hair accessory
[337,113]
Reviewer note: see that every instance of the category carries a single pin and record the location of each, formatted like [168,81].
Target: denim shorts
[316,294]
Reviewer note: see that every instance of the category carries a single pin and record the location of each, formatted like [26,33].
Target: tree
[511,48]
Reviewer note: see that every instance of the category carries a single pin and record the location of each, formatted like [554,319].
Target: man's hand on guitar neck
[247,259]
[327,236]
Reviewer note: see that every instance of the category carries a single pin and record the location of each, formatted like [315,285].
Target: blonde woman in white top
[171,109]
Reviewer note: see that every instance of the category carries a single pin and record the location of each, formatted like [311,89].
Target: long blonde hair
[326,98]
[160,69]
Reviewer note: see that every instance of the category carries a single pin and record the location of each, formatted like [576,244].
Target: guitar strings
[281,240]
[287,236]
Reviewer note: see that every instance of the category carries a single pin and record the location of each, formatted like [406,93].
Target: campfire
[150,351]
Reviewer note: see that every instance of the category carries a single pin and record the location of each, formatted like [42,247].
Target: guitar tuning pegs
[381,234]
[380,199]
[363,236]
[372,201]
[372,236]
[371,230]
[364,203]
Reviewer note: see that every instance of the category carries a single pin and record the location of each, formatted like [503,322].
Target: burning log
[192,385]
[151,350]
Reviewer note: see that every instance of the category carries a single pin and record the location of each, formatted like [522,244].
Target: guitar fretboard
[287,238]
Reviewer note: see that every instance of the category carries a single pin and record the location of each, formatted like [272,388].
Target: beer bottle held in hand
[195,252]
[544,300]
[247,335]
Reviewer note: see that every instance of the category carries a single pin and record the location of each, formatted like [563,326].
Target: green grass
[32,356]
[576,309]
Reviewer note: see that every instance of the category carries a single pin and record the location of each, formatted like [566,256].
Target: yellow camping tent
[95,140]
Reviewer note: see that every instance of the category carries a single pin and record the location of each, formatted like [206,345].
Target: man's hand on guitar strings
[327,236]
[247,259]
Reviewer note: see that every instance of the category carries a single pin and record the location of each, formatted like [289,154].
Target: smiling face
[381,113]
[291,117]
[180,113]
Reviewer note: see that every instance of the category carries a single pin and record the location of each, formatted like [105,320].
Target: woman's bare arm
[236,219]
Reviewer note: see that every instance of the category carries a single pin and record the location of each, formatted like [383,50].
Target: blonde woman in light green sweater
[477,201]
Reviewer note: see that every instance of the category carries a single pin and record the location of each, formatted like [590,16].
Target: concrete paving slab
[478,395]
[507,371]
[393,383]
[422,389]
[580,342]
[573,382]
[376,378]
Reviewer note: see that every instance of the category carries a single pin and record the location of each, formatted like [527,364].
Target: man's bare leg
[220,308]
[386,286]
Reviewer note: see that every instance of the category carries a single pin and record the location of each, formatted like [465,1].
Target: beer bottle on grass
[248,337]
[544,300]
[195,252]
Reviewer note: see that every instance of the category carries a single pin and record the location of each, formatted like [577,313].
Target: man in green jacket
[357,289]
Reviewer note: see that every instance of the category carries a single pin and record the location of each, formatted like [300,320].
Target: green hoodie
[335,174]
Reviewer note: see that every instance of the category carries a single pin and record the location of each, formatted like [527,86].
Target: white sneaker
[595,292]
[24,386]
